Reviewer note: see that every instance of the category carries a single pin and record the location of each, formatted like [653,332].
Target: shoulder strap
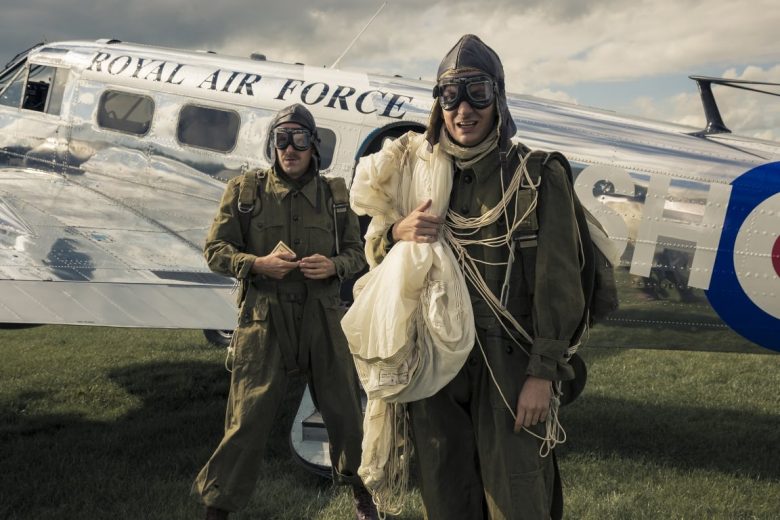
[251,184]
[537,160]
[340,197]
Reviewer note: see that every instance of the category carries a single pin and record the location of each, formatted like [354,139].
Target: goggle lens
[300,139]
[478,91]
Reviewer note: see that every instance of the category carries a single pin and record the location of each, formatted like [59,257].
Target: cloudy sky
[631,56]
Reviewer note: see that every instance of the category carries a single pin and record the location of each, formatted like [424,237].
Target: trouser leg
[472,465]
[257,388]
[335,392]
[518,481]
[446,451]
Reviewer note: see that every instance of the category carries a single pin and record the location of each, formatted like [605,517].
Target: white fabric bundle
[411,326]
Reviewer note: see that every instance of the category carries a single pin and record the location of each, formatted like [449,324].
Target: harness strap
[251,183]
[525,239]
[340,197]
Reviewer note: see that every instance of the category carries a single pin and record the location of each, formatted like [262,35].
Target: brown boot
[364,504]
[212,513]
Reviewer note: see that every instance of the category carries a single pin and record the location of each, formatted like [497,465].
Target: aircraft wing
[70,253]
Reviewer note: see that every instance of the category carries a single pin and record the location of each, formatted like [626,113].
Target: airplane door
[41,133]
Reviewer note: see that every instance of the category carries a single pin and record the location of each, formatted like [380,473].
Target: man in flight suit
[474,458]
[289,318]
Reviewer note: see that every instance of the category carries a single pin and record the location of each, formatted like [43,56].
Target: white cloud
[556,95]
[745,113]
[545,46]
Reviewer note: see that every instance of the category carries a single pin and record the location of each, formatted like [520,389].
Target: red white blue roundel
[745,286]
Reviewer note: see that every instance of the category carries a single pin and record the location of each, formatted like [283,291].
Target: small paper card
[283,248]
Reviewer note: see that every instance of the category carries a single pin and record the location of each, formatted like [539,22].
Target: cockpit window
[209,128]
[40,90]
[125,112]
[39,81]
[8,75]
[12,86]
[57,90]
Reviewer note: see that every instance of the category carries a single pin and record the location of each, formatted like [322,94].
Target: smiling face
[293,162]
[467,125]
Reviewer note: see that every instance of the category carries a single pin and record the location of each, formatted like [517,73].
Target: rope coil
[457,232]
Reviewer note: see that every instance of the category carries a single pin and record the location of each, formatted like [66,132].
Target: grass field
[114,423]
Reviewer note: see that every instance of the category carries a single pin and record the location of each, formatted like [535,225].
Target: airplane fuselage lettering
[339,96]
[122,61]
[229,81]
[323,91]
[288,87]
[137,67]
[653,225]
[246,83]
[320,93]
[394,104]
[98,60]
[156,73]
[173,74]
[362,98]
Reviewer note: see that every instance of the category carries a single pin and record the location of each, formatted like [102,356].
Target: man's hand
[274,266]
[533,404]
[317,267]
[418,226]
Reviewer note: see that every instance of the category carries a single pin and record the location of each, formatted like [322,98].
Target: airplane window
[12,96]
[125,112]
[7,76]
[57,91]
[327,147]
[209,128]
[36,94]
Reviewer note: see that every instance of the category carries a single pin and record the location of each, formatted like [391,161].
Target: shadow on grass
[685,437]
[142,464]
[139,466]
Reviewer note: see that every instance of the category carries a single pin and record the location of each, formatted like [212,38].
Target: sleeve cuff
[341,267]
[549,369]
[245,266]
[548,360]
[387,240]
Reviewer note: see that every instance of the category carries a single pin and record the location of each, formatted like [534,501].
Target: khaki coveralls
[287,325]
[472,465]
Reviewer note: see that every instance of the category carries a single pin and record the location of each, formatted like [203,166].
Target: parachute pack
[598,276]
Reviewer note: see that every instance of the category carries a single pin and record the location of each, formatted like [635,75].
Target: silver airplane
[113,158]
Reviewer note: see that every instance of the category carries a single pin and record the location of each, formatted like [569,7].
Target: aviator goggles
[479,91]
[299,138]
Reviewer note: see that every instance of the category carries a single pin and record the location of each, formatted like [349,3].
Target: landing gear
[218,338]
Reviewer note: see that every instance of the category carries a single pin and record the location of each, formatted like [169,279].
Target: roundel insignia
[745,286]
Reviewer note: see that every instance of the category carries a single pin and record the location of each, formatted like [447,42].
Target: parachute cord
[554,433]
[390,496]
[455,233]
[230,356]
[231,348]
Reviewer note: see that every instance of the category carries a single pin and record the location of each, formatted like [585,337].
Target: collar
[486,167]
[282,188]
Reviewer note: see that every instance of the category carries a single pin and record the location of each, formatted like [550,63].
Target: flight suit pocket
[263,236]
[319,235]
[251,335]
[255,307]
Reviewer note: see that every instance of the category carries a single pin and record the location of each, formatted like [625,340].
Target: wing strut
[715,124]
